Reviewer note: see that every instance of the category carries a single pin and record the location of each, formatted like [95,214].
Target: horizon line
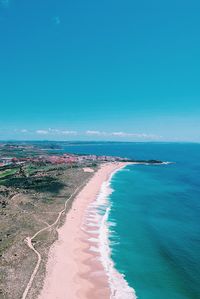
[99,141]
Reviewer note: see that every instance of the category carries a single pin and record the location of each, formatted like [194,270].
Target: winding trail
[29,240]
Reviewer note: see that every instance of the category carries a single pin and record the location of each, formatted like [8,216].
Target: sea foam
[118,285]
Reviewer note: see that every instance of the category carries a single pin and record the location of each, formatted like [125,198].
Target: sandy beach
[73,269]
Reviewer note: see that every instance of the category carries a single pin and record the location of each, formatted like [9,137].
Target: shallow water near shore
[118,285]
[154,236]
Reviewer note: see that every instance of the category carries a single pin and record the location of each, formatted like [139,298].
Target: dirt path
[29,240]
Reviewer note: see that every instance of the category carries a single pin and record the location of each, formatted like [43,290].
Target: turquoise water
[156,210]
[157,230]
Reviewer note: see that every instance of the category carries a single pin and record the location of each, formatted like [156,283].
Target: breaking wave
[99,212]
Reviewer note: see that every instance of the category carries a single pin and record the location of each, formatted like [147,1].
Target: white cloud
[95,133]
[92,132]
[62,132]
[51,131]
[24,131]
[136,135]
[42,132]
[123,134]
[69,132]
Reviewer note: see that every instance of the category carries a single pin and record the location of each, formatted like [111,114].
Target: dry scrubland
[31,198]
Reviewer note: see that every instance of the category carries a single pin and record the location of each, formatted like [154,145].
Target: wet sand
[74,270]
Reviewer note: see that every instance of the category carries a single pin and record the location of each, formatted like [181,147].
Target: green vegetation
[8,172]
[38,184]
[20,151]
[31,195]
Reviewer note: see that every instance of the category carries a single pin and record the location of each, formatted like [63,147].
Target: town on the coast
[15,154]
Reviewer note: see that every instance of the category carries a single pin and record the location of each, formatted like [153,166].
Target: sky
[100,70]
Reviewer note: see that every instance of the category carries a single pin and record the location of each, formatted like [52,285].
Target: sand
[73,270]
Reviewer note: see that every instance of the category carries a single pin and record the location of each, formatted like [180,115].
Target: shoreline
[76,267]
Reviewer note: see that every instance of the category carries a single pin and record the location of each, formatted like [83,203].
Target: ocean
[153,217]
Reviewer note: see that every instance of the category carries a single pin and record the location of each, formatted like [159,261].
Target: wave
[118,285]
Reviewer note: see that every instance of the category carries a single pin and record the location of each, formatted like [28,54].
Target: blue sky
[102,70]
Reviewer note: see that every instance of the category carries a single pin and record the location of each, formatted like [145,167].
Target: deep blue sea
[156,210]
